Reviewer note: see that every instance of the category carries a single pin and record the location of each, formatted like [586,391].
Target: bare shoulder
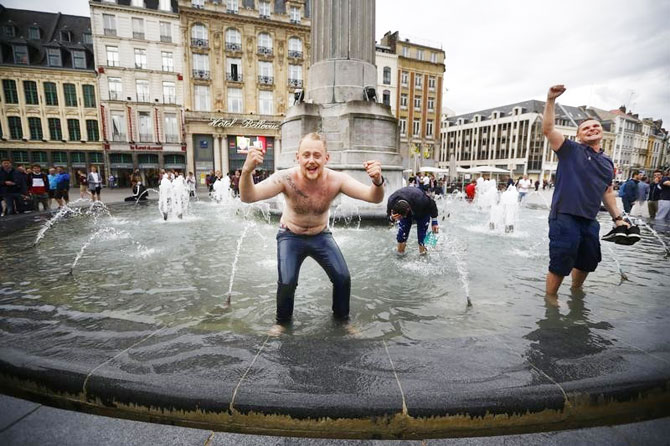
[282,176]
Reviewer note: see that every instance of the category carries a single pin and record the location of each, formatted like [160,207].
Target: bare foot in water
[277,330]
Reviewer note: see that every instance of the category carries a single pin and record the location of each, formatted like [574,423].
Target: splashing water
[62,212]
[234,268]
[623,275]
[100,233]
[639,221]
[456,250]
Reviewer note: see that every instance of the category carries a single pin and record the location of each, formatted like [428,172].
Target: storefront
[203,155]
[237,145]
[70,161]
[121,167]
[148,165]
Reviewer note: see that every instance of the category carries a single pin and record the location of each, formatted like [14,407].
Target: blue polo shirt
[582,177]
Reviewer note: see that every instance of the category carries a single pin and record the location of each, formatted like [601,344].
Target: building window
[55,132]
[70,93]
[15,129]
[264,9]
[89,95]
[202,101]
[166,31]
[92,133]
[232,7]
[429,128]
[169,93]
[265,43]
[295,47]
[265,103]
[402,123]
[39,158]
[419,54]
[11,95]
[295,76]
[405,51]
[8,30]
[168,62]
[294,14]
[171,128]
[416,128]
[235,100]
[201,66]
[404,76]
[233,40]
[73,129]
[88,39]
[35,127]
[403,100]
[386,97]
[146,127]
[112,56]
[118,126]
[142,89]
[65,36]
[138,28]
[34,33]
[234,70]
[433,57]
[265,76]
[50,93]
[199,36]
[115,88]
[198,4]
[30,92]
[431,82]
[79,60]
[431,104]
[418,80]
[20,156]
[417,102]
[387,75]
[54,57]
[20,54]
[109,24]
[140,58]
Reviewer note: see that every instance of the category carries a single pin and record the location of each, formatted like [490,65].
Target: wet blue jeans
[292,249]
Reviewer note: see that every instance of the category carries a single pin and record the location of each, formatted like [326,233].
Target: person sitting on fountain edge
[411,203]
[583,179]
[309,189]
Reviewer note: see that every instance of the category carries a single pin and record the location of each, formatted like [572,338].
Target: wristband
[380,184]
[435,223]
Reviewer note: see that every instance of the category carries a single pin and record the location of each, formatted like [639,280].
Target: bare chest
[306,200]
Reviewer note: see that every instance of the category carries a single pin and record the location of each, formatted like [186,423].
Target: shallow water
[139,268]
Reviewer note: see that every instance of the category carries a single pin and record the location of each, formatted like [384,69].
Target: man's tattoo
[294,187]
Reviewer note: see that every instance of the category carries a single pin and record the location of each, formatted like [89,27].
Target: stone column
[217,152]
[225,164]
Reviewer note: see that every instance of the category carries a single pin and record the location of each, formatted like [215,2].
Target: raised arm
[554,136]
[373,193]
[268,188]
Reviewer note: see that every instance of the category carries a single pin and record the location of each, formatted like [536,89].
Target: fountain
[173,196]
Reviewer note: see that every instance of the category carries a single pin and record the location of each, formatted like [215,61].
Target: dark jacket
[630,190]
[19,179]
[38,190]
[420,203]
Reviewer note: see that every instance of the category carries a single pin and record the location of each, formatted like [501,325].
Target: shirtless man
[309,189]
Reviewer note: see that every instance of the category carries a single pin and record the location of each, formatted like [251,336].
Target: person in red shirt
[470,190]
[38,188]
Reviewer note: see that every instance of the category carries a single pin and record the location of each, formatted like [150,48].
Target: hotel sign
[260,124]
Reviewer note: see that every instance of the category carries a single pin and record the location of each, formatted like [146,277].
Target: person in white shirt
[523,187]
[94,183]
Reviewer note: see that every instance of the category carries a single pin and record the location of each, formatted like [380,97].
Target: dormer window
[9,30]
[54,57]
[79,60]
[87,38]
[66,36]
[34,33]
[20,54]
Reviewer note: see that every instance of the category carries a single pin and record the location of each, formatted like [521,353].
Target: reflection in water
[561,342]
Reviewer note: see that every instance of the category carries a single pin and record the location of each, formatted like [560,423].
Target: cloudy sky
[607,53]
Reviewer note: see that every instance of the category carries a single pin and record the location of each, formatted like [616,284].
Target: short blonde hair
[315,136]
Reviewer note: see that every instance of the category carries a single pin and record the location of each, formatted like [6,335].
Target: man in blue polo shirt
[583,179]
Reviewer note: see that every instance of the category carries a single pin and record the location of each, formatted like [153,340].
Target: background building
[138,55]
[387,77]
[418,103]
[49,110]
[245,60]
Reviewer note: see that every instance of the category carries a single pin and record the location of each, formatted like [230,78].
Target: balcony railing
[264,16]
[143,98]
[110,32]
[234,78]
[201,43]
[172,138]
[138,35]
[265,51]
[168,68]
[266,80]
[232,11]
[232,46]
[167,39]
[118,137]
[114,96]
[295,21]
[169,99]
[200,74]
[146,137]
[295,54]
[295,83]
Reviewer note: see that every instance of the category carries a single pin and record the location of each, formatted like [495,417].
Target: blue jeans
[292,250]
[11,201]
[405,224]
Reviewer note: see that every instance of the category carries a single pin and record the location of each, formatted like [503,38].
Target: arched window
[199,35]
[233,39]
[265,43]
[294,47]
[387,75]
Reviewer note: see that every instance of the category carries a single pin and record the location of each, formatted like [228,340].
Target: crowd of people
[646,197]
[258,175]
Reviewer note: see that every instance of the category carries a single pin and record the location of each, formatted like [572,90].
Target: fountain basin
[139,330]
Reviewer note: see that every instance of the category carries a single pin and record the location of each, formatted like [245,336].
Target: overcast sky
[607,53]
